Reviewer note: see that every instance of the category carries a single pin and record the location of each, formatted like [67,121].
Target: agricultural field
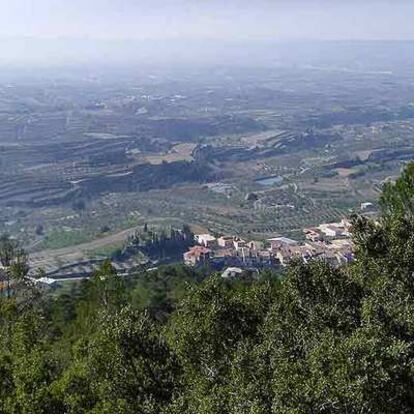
[253,152]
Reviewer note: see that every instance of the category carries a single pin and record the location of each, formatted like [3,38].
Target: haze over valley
[87,152]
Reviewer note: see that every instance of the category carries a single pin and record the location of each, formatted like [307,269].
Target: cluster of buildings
[228,251]
[329,241]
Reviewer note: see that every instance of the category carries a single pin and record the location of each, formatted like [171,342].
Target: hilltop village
[329,241]
[150,248]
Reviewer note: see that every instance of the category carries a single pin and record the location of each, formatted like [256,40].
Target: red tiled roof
[198,251]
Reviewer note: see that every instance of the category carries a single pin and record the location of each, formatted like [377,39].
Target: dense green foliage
[319,340]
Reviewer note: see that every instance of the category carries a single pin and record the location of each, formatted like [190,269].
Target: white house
[277,243]
[366,206]
[225,241]
[206,240]
[239,243]
[232,272]
[332,231]
[45,283]
[335,229]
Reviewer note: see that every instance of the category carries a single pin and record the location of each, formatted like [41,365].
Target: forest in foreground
[314,340]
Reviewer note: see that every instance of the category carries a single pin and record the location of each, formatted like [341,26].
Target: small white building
[45,283]
[231,272]
[206,240]
[239,243]
[225,241]
[367,206]
[335,229]
[332,231]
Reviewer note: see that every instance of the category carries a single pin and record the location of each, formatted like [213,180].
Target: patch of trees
[194,129]
[163,244]
[319,340]
[104,159]
[146,177]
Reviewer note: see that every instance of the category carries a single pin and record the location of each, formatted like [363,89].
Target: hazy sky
[230,19]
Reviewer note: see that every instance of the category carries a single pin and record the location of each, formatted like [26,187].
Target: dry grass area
[180,152]
[326,184]
[364,155]
[261,138]
[346,172]
[77,252]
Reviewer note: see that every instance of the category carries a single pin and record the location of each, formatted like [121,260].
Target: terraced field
[82,160]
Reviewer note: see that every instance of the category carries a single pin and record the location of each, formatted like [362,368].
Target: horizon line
[207,39]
